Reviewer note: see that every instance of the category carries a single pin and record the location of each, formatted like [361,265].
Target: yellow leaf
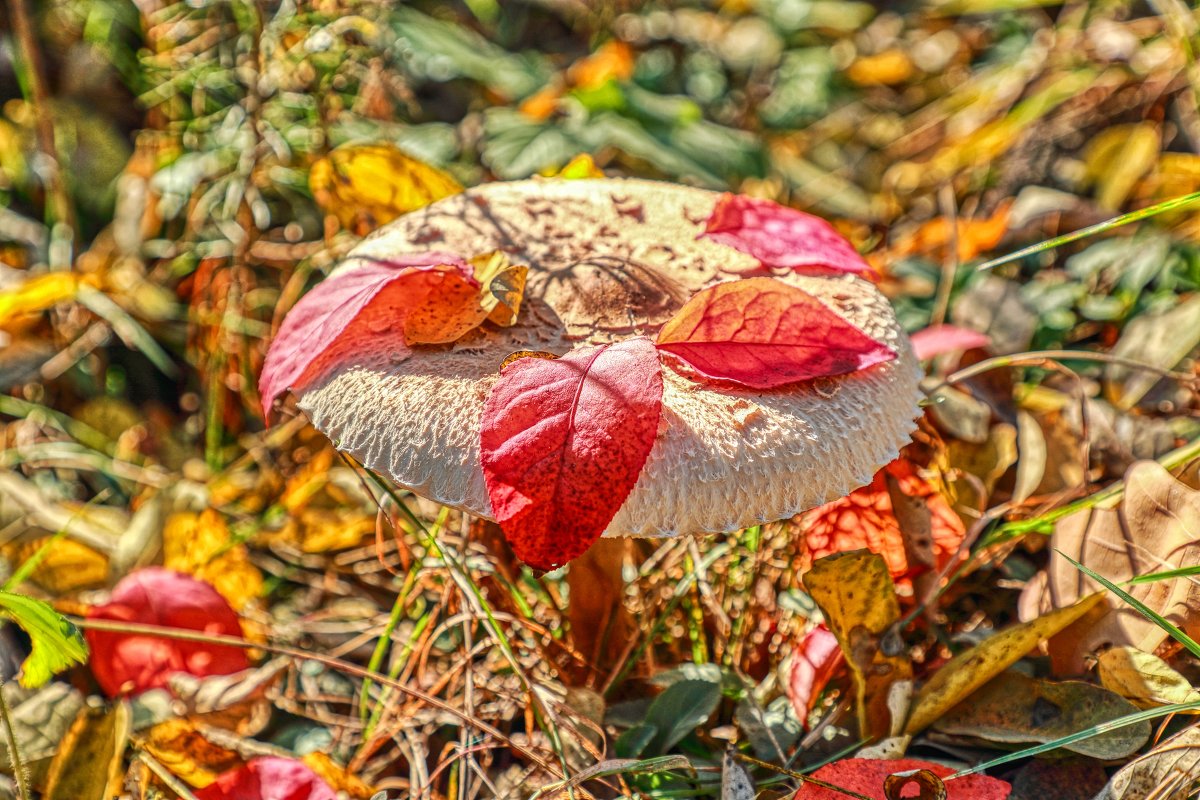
[1143,679]
[579,167]
[366,186]
[855,592]
[336,776]
[1118,157]
[971,669]
[505,286]
[37,294]
[612,61]
[187,753]
[321,530]
[90,761]
[201,545]
[883,69]
[64,566]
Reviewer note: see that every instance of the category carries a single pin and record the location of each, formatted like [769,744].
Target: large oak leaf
[764,333]
[779,236]
[421,299]
[563,442]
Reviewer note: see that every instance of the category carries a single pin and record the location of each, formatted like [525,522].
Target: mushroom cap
[609,259]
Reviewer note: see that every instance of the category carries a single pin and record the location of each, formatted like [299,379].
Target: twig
[14,753]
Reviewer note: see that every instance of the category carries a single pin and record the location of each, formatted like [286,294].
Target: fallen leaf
[881,69]
[1142,678]
[815,660]
[929,785]
[336,776]
[200,545]
[1159,339]
[580,167]
[38,293]
[855,594]
[782,237]
[383,306]
[613,60]
[55,643]
[763,333]
[90,761]
[505,287]
[186,752]
[939,339]
[1168,772]
[1154,529]
[563,442]
[967,672]
[40,720]
[736,783]
[867,777]
[366,186]
[129,663]
[268,778]
[865,519]
[1117,158]
[1015,709]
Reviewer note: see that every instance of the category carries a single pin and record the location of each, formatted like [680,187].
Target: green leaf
[57,644]
[679,710]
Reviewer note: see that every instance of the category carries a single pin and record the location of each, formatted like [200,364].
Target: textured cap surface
[610,259]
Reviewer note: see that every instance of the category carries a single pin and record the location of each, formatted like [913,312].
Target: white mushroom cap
[609,259]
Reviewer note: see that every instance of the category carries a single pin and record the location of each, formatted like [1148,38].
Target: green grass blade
[1092,230]
[1165,575]
[1149,613]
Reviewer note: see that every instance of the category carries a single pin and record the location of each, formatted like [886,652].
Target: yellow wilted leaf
[90,760]
[366,186]
[200,545]
[37,294]
[64,566]
[855,593]
[1143,679]
[336,776]
[579,167]
[1117,158]
[504,286]
[971,669]
[187,753]
[321,530]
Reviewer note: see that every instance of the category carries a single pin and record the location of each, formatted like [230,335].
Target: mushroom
[610,259]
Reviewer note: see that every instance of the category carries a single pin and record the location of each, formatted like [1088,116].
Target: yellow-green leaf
[56,643]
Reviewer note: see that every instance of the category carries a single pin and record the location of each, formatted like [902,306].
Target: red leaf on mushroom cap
[426,298]
[814,662]
[764,333]
[563,442]
[864,518]
[268,778]
[131,662]
[938,339]
[783,237]
[866,776]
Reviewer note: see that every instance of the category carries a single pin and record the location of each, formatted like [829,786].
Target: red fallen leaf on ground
[783,237]
[563,442]
[763,333]
[268,778]
[425,298]
[129,663]
[866,776]
[864,518]
[938,339]
[816,660]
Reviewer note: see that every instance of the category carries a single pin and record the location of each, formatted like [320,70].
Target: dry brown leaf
[1168,772]
[90,761]
[187,753]
[337,777]
[1144,679]
[855,593]
[201,545]
[1155,528]
[970,670]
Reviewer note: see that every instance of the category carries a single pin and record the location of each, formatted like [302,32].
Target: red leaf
[268,778]
[866,776]
[814,662]
[938,339]
[763,333]
[563,442]
[426,298]
[130,663]
[864,519]
[783,237]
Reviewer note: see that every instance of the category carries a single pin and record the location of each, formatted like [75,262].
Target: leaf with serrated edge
[764,333]
[56,643]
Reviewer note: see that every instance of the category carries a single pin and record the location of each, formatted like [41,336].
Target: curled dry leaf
[381,305]
[855,593]
[563,442]
[938,339]
[782,237]
[763,333]
[268,778]
[868,776]
[1143,679]
[1168,772]
[89,763]
[1154,529]
[366,186]
[865,518]
[968,671]
[130,663]
[815,660]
